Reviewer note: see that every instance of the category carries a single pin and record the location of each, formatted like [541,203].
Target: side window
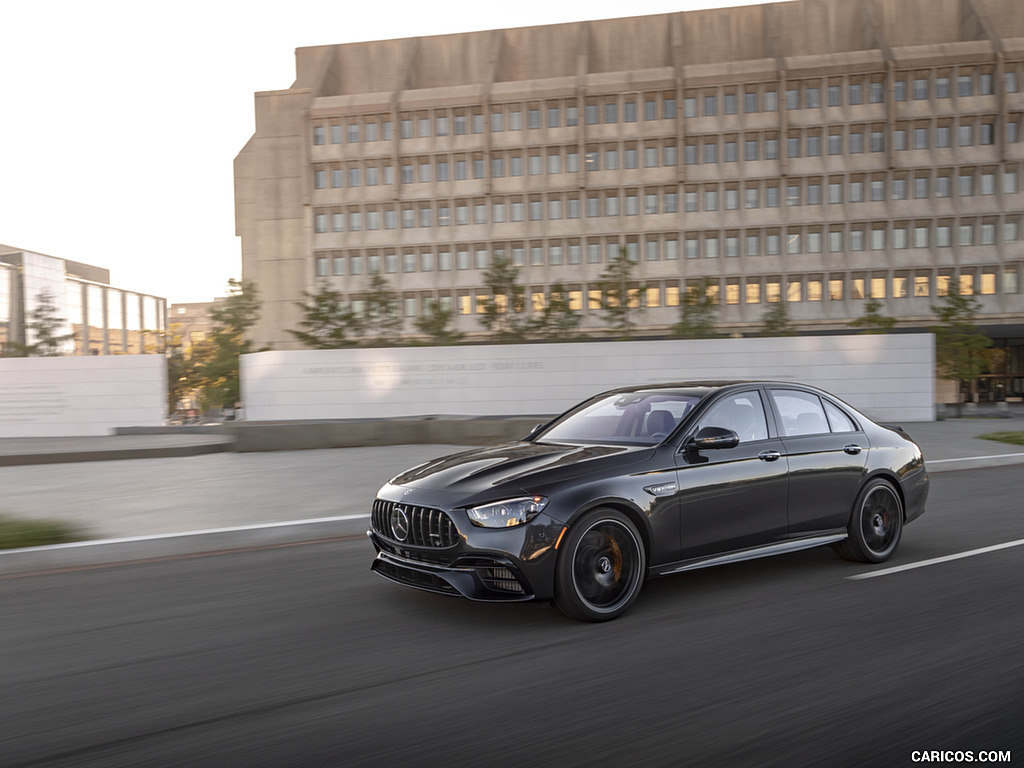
[801,412]
[742,413]
[838,420]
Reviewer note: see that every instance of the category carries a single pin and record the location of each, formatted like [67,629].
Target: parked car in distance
[648,481]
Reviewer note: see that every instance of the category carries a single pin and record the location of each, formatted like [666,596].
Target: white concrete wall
[74,396]
[891,378]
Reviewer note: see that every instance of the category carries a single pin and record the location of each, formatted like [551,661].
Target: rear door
[827,451]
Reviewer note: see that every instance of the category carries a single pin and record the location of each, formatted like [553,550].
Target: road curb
[115,454]
[84,554]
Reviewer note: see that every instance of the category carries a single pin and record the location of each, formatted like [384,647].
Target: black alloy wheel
[600,568]
[876,524]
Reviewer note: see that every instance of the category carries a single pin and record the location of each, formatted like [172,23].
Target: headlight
[506,514]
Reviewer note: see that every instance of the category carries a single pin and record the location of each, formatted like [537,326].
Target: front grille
[426,527]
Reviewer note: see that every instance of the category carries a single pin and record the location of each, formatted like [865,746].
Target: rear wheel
[875,526]
[600,567]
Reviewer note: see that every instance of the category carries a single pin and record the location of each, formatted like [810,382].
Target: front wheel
[600,567]
[875,526]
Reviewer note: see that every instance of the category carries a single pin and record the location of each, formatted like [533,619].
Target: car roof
[682,385]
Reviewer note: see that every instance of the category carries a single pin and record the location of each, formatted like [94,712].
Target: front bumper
[447,554]
[481,576]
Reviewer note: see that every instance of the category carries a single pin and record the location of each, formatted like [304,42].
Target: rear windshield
[643,418]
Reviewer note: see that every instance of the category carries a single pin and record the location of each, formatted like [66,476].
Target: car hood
[514,463]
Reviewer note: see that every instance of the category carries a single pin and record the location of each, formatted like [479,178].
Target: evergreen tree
[327,322]
[775,321]
[433,324]
[504,308]
[557,320]
[959,345]
[873,321]
[620,301]
[43,325]
[697,312]
[380,323]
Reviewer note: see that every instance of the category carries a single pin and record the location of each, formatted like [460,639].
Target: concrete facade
[887,377]
[820,152]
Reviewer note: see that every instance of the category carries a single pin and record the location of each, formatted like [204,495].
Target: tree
[327,322]
[873,321]
[217,358]
[43,325]
[557,320]
[182,376]
[697,312]
[504,308]
[434,324]
[959,344]
[775,320]
[620,301]
[380,322]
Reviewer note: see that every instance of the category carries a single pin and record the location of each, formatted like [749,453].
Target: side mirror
[712,439]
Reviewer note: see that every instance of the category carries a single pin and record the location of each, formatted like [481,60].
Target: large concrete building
[96,318]
[820,152]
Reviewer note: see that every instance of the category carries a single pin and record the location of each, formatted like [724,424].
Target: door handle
[769,455]
[853,449]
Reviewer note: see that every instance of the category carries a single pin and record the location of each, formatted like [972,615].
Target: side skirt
[781,548]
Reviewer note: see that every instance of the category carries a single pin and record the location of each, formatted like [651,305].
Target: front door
[733,498]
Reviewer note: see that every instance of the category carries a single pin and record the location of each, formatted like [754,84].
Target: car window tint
[632,417]
[801,412]
[838,420]
[742,413]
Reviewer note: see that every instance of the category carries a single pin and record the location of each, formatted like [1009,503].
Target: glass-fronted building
[96,317]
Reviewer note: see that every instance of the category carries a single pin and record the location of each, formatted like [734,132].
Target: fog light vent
[501,580]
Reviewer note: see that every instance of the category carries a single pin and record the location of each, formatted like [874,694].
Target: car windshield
[643,418]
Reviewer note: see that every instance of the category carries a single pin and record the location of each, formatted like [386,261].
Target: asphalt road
[299,656]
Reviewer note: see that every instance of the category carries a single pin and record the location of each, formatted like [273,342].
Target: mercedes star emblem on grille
[399,523]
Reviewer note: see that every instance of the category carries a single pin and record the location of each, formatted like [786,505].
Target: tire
[875,525]
[600,567]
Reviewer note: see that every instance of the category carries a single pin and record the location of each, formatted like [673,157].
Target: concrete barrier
[252,436]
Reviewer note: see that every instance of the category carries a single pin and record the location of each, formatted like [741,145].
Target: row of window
[761,289]
[499,164]
[851,140]
[811,191]
[631,155]
[669,246]
[810,93]
[838,91]
[498,118]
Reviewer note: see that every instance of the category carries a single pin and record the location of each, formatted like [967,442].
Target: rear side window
[802,413]
[838,420]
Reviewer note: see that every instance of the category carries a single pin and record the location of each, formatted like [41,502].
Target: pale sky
[119,120]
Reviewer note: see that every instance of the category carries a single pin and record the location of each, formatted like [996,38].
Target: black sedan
[647,481]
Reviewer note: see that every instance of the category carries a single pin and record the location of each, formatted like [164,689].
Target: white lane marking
[976,458]
[937,560]
[158,536]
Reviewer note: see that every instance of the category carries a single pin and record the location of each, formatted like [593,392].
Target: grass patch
[1013,438]
[35,533]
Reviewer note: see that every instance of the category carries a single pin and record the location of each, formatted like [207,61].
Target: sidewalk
[189,493]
